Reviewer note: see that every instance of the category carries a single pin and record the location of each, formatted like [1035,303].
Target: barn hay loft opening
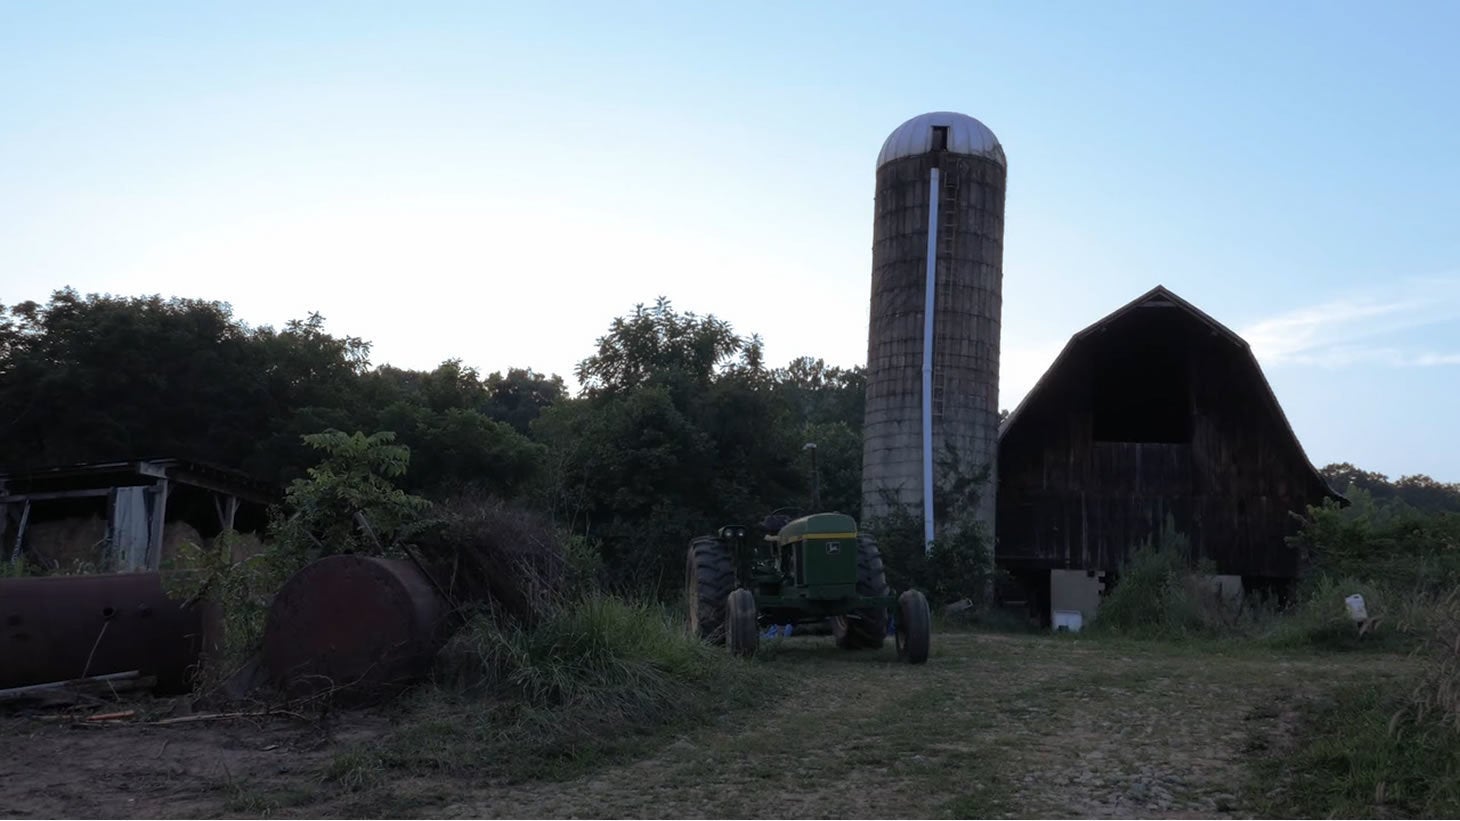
[1141,393]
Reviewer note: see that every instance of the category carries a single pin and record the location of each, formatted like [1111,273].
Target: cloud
[1361,328]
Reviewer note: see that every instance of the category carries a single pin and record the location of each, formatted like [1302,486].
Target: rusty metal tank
[354,623]
[56,628]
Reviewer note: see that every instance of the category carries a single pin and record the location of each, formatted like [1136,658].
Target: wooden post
[20,532]
[226,506]
[157,518]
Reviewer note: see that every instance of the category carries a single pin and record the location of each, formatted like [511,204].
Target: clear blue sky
[496,182]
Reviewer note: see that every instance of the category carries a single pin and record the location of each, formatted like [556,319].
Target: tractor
[800,571]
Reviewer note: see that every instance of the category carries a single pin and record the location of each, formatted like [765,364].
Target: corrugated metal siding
[131,533]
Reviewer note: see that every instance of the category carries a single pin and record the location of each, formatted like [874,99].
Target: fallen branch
[112,716]
[33,689]
[225,716]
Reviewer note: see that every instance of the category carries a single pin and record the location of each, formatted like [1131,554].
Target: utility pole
[815,479]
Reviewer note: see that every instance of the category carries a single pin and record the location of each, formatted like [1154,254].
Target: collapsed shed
[124,516]
[1156,412]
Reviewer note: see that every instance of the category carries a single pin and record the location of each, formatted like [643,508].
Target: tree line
[680,426]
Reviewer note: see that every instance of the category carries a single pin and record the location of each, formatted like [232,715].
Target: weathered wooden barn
[1155,411]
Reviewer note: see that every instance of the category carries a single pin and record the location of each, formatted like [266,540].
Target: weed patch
[596,681]
[1363,754]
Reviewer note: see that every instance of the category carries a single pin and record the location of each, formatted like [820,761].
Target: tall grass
[1319,619]
[1391,748]
[598,678]
[1379,750]
[1365,753]
[1437,694]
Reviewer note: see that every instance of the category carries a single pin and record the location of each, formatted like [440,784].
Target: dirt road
[993,725]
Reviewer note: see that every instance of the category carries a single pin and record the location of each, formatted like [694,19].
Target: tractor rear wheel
[914,627]
[864,629]
[709,576]
[742,630]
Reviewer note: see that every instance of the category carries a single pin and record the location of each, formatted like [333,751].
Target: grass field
[994,725]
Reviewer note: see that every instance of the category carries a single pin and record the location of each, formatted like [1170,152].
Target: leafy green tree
[824,406]
[1381,539]
[105,377]
[683,352]
[1419,491]
[818,393]
[1425,493]
[520,395]
[678,431]
[347,503]
[838,465]
[356,477]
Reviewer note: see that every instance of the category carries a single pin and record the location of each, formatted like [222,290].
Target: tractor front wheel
[742,631]
[709,576]
[914,627]
[864,629]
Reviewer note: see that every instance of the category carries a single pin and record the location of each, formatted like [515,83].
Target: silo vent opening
[940,138]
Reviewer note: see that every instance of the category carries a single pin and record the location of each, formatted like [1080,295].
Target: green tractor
[800,571]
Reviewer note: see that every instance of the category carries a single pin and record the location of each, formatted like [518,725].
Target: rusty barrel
[355,623]
[57,628]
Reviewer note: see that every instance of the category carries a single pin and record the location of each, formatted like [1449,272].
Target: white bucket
[1356,609]
[1071,620]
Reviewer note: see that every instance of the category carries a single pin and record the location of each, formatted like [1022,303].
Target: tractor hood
[818,526]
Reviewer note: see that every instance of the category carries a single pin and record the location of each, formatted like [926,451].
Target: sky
[496,182]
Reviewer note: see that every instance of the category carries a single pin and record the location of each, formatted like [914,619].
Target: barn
[1156,412]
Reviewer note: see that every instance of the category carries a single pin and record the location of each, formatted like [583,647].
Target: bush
[1320,618]
[497,554]
[598,677]
[1386,542]
[956,566]
[604,650]
[1159,594]
[348,504]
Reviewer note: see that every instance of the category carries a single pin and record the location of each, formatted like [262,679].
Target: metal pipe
[928,305]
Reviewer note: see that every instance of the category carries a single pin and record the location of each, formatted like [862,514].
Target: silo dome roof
[965,135]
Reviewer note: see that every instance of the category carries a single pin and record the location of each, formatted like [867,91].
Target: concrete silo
[937,252]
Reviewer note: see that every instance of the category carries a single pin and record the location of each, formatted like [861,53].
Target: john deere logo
[833,548]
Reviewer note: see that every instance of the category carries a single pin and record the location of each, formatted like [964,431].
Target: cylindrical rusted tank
[51,625]
[352,622]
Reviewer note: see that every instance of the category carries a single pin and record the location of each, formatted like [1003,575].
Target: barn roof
[1161,298]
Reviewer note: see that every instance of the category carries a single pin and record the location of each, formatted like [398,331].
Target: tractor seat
[774,522]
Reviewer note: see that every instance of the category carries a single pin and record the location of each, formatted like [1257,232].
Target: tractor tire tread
[742,627]
[914,627]
[869,630]
[710,576]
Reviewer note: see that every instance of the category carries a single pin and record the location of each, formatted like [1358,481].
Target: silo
[937,249]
